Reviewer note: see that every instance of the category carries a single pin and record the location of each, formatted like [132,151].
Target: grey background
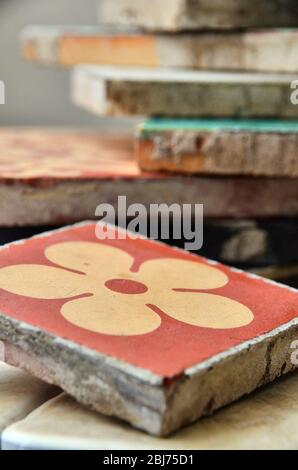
[37,95]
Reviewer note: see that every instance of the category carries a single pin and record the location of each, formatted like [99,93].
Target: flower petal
[111,315]
[95,259]
[206,310]
[42,282]
[169,273]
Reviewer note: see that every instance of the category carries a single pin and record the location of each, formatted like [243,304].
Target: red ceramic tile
[40,153]
[139,301]
[70,173]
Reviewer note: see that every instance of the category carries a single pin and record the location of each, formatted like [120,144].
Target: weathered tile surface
[182,93]
[263,51]
[50,177]
[245,147]
[136,329]
[33,153]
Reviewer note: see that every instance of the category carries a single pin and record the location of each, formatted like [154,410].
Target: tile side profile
[182,93]
[273,50]
[223,147]
[177,15]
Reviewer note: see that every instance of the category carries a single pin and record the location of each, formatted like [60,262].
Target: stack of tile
[133,328]
[222,128]
[53,177]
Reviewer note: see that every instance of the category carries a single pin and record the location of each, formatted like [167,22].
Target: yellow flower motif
[119,301]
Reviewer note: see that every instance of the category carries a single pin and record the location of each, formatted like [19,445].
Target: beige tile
[20,394]
[266,420]
[273,50]
[182,93]
[175,15]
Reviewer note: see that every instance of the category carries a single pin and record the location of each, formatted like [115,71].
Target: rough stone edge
[167,151]
[102,383]
[112,387]
[69,202]
[184,44]
[97,89]
[179,17]
[229,376]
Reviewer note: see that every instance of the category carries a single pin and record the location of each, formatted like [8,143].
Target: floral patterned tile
[29,153]
[140,330]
